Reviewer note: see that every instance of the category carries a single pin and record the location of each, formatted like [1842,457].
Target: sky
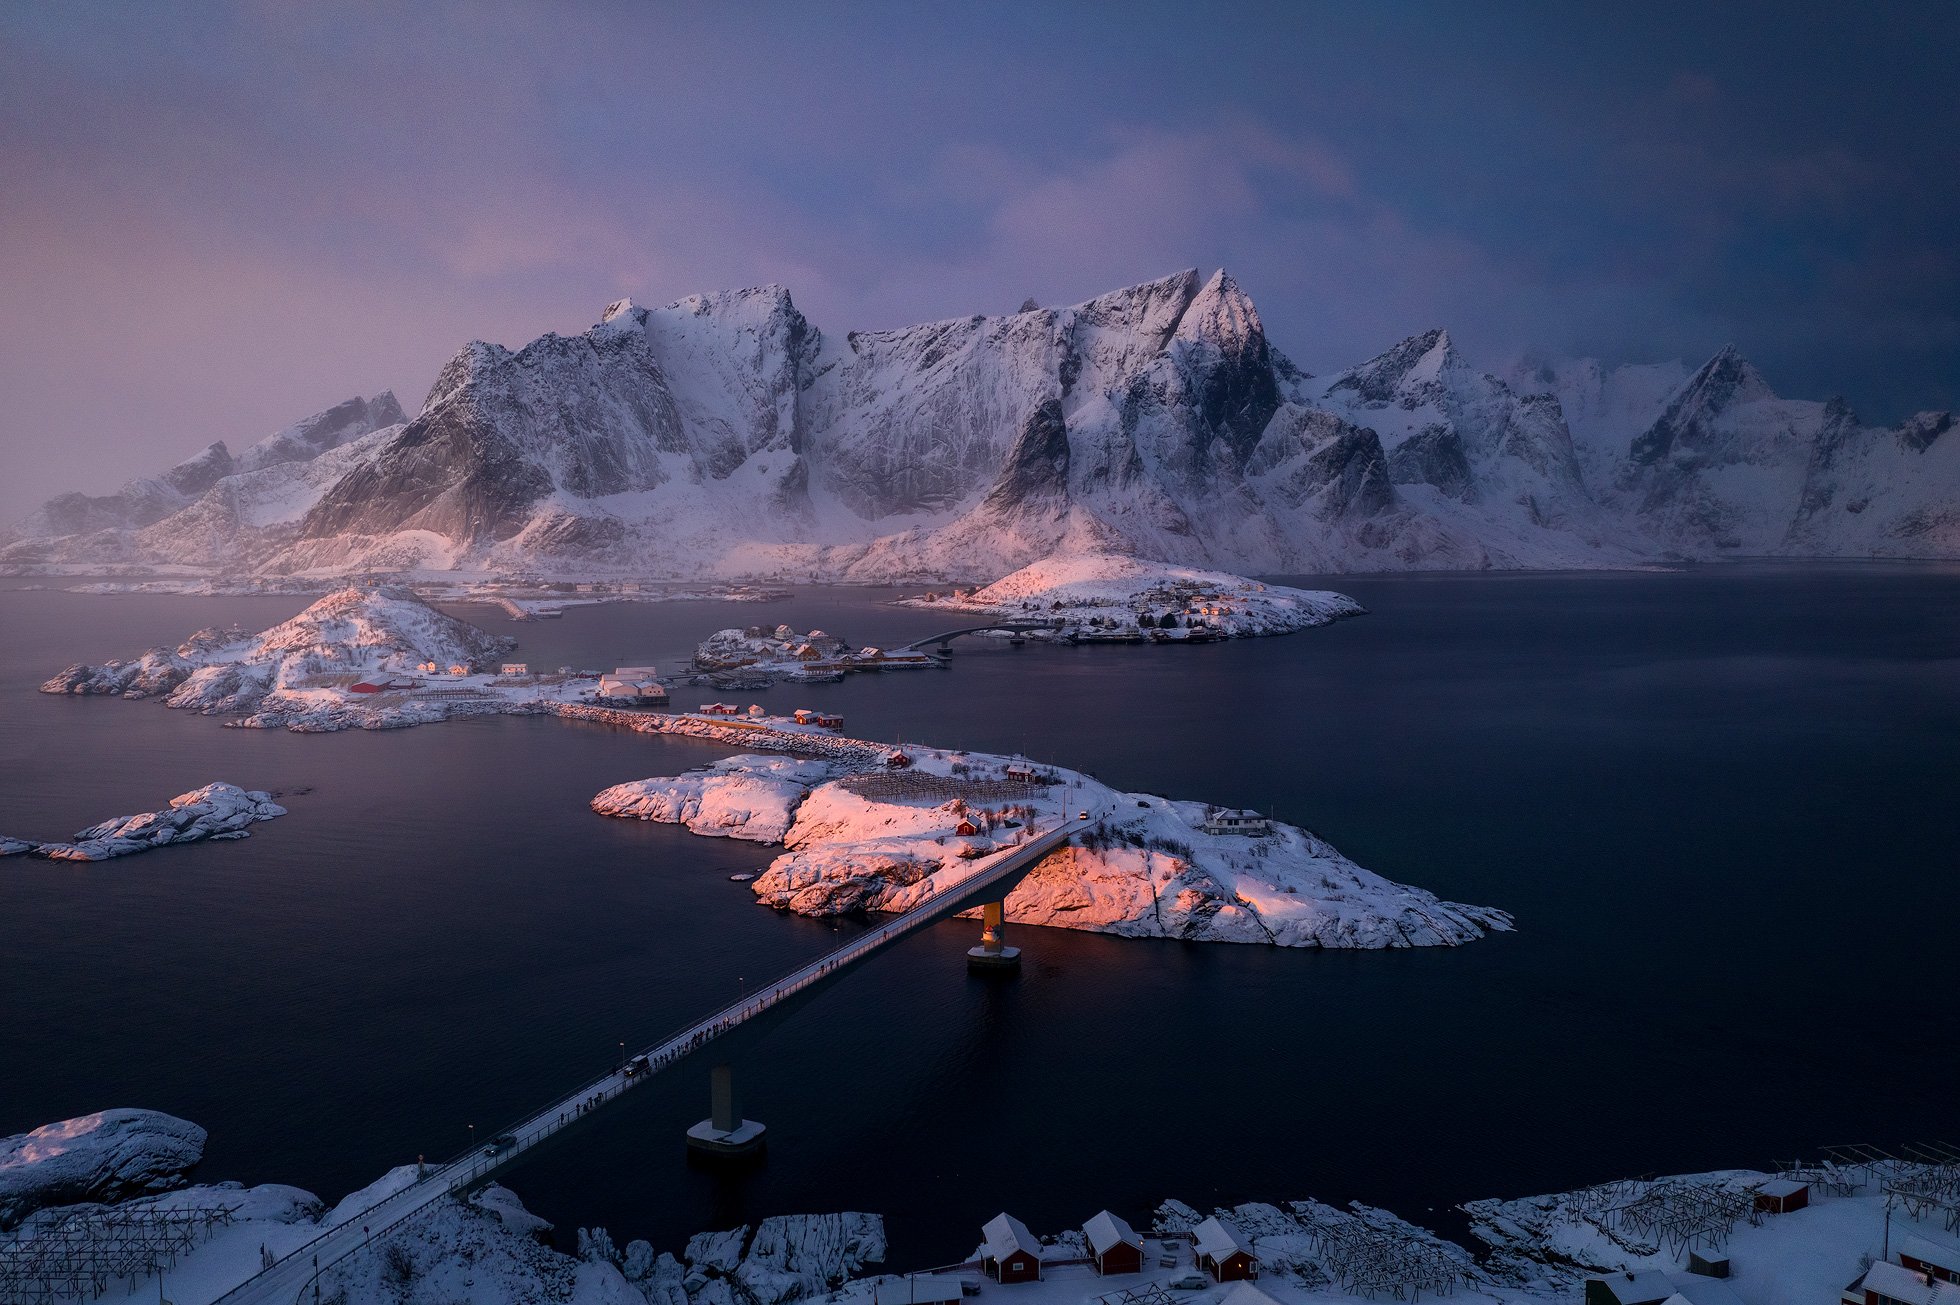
[216,219]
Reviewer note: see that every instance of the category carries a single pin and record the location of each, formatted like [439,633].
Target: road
[292,1277]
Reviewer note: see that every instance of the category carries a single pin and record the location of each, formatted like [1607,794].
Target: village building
[1113,1244]
[830,720]
[1010,1252]
[635,689]
[1924,1255]
[365,686]
[1656,1287]
[514,669]
[1886,1283]
[457,668]
[1250,823]
[1222,1254]
[1782,1195]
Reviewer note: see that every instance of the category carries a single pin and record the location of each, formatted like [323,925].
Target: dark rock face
[1918,431]
[1433,456]
[1836,439]
[1725,379]
[1381,381]
[1037,466]
[1317,463]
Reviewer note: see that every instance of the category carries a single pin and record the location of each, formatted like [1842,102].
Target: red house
[1010,1251]
[366,686]
[1113,1244]
[1222,1254]
[1782,1195]
[1924,1255]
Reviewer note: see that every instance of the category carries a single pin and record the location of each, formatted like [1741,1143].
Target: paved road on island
[292,1277]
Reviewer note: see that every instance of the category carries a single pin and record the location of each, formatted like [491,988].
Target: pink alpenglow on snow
[1089,595]
[106,1156]
[1145,867]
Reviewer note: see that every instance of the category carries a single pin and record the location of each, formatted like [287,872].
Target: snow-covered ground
[489,1250]
[887,839]
[1109,595]
[217,810]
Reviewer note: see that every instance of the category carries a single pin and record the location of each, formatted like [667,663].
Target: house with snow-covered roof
[1113,1244]
[1924,1255]
[1222,1253]
[1886,1283]
[1010,1252]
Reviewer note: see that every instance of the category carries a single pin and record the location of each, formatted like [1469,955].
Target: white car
[1084,816]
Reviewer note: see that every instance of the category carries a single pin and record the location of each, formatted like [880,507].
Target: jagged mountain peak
[1724,381]
[1417,361]
[1221,314]
[621,308]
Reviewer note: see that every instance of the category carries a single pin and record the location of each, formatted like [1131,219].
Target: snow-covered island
[782,652]
[372,657]
[1108,597]
[886,839]
[215,811]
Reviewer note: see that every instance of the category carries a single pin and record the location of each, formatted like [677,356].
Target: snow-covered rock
[1097,595]
[1153,868]
[295,673]
[107,1156]
[218,810]
[749,797]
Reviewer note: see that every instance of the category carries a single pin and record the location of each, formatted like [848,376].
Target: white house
[1237,822]
[515,669]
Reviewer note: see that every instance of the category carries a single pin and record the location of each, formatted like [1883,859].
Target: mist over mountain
[727,435]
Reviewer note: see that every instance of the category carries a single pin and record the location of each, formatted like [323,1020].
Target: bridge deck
[293,1275]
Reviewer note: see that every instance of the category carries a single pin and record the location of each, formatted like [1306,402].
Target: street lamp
[472,1128]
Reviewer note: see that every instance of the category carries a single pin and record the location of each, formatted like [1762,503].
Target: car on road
[637,1066]
[503,1142]
[1190,1282]
[1083,816]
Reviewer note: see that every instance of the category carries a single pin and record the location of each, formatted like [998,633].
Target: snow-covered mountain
[1714,462]
[219,490]
[726,435]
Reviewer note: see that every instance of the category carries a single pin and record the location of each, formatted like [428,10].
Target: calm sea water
[1720,804]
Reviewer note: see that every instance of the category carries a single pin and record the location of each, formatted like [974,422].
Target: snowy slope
[726,436]
[97,527]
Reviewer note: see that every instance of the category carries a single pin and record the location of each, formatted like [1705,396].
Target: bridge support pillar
[992,954]
[724,1131]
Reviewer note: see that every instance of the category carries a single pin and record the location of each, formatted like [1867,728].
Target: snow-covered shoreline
[1106,597]
[885,839]
[490,1250]
[215,811]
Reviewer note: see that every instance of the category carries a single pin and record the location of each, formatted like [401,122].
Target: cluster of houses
[1010,1253]
[633,685]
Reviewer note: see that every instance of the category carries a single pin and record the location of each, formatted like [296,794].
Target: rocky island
[886,838]
[1110,597]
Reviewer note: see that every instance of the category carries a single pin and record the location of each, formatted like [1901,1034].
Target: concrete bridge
[996,627]
[296,1276]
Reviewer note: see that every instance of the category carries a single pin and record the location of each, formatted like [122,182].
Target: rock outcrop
[108,1156]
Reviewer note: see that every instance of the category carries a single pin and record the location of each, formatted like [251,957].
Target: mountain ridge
[725,435]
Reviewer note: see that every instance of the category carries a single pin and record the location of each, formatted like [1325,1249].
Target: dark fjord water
[1720,804]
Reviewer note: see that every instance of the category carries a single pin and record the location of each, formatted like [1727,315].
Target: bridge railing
[480,1160]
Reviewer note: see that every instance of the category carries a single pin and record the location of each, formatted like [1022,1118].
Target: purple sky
[214,220]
